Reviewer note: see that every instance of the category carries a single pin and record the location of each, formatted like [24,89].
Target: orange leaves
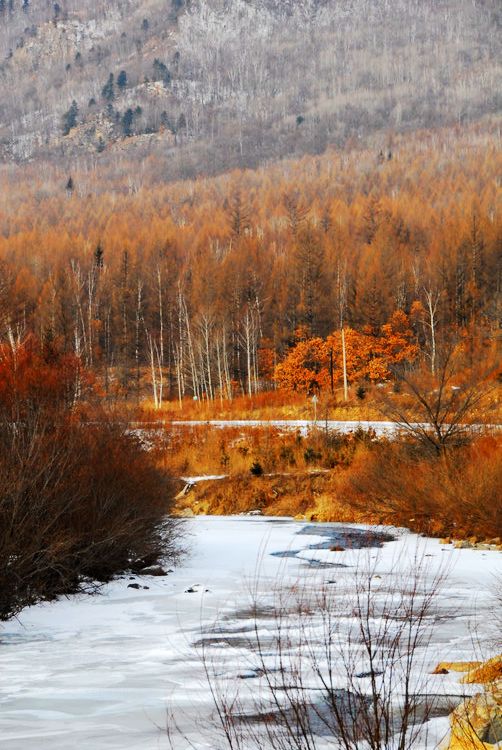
[313,363]
[358,352]
[32,378]
[396,345]
[266,359]
[305,367]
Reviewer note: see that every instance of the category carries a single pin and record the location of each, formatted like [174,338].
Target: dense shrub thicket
[79,501]
[456,493]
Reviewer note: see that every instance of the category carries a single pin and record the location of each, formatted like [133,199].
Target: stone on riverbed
[153,570]
[490,671]
[476,724]
[456,666]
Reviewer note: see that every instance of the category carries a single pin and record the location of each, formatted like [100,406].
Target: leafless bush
[78,503]
[445,408]
[337,665]
[455,493]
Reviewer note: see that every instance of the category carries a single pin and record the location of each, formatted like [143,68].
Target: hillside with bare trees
[206,85]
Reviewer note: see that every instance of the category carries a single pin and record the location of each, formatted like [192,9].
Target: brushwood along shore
[112,671]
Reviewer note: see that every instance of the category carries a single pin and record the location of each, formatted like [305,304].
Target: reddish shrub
[77,501]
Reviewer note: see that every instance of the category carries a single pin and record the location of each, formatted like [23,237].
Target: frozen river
[103,672]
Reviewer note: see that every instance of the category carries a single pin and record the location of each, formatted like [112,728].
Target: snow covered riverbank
[102,672]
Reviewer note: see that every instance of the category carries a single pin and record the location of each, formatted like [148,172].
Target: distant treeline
[202,288]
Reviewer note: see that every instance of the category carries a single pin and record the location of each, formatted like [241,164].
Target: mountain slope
[210,84]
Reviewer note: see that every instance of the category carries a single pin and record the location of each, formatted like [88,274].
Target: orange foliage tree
[34,378]
[305,367]
[316,364]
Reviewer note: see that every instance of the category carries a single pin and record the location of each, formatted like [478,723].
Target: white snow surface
[102,672]
[302,425]
[204,478]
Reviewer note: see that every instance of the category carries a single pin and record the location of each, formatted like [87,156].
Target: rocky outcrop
[476,724]
[474,543]
[490,671]
[456,666]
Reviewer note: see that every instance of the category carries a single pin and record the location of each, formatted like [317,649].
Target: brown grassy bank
[357,478]
[274,404]
[309,495]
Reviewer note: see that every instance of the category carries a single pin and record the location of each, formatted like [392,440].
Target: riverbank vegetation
[354,478]
[80,501]
[438,471]
[436,468]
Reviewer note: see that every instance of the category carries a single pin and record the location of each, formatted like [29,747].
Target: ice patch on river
[101,672]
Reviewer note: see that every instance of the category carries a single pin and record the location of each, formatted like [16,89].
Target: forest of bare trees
[207,84]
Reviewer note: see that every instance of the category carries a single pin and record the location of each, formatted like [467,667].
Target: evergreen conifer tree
[108,90]
[70,118]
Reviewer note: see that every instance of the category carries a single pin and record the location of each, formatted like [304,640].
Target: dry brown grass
[274,496]
[199,450]
[306,495]
[275,404]
[456,494]
[330,477]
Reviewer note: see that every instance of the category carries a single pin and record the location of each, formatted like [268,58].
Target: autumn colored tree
[35,378]
[315,364]
[305,368]
[69,490]
[396,345]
